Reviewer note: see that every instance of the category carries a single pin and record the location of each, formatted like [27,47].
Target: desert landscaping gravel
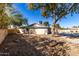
[25,45]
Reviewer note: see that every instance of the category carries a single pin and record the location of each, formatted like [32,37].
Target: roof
[36,25]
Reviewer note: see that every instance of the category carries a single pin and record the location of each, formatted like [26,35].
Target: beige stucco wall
[41,31]
[3,34]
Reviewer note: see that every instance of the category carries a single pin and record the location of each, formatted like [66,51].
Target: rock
[17,45]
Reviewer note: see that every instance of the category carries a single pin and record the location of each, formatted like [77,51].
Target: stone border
[3,34]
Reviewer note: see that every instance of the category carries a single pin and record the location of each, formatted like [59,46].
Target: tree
[46,23]
[25,21]
[40,22]
[55,10]
[75,26]
[10,16]
[7,13]
[4,19]
[58,26]
[16,17]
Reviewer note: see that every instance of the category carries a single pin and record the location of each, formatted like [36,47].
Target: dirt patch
[24,45]
[14,45]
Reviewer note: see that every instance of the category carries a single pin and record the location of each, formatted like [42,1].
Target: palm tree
[16,17]
[9,16]
[4,19]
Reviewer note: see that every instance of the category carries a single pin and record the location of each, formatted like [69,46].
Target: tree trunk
[57,30]
[54,25]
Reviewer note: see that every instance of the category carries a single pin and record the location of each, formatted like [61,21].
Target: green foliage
[75,26]
[58,26]
[4,19]
[9,15]
[30,6]
[46,23]
[40,22]
[16,17]
[27,27]
[56,10]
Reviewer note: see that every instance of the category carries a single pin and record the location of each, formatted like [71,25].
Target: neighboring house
[13,26]
[34,29]
[18,27]
[38,29]
[69,30]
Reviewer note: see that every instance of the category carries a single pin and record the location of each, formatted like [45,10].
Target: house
[35,28]
[70,30]
[13,27]
[38,29]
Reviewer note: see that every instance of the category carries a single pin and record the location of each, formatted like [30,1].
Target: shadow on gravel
[75,35]
[14,45]
[19,45]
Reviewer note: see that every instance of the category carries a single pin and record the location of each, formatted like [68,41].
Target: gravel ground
[24,45]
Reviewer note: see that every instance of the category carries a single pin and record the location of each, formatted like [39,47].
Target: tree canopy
[4,19]
[58,9]
[55,10]
[10,16]
[46,23]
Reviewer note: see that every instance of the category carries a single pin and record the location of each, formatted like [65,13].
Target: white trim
[39,1]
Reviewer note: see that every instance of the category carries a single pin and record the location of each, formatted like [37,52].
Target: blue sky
[35,16]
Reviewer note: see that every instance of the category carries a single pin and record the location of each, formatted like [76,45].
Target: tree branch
[65,12]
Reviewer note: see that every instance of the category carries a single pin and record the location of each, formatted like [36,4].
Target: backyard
[32,45]
[16,44]
[37,29]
